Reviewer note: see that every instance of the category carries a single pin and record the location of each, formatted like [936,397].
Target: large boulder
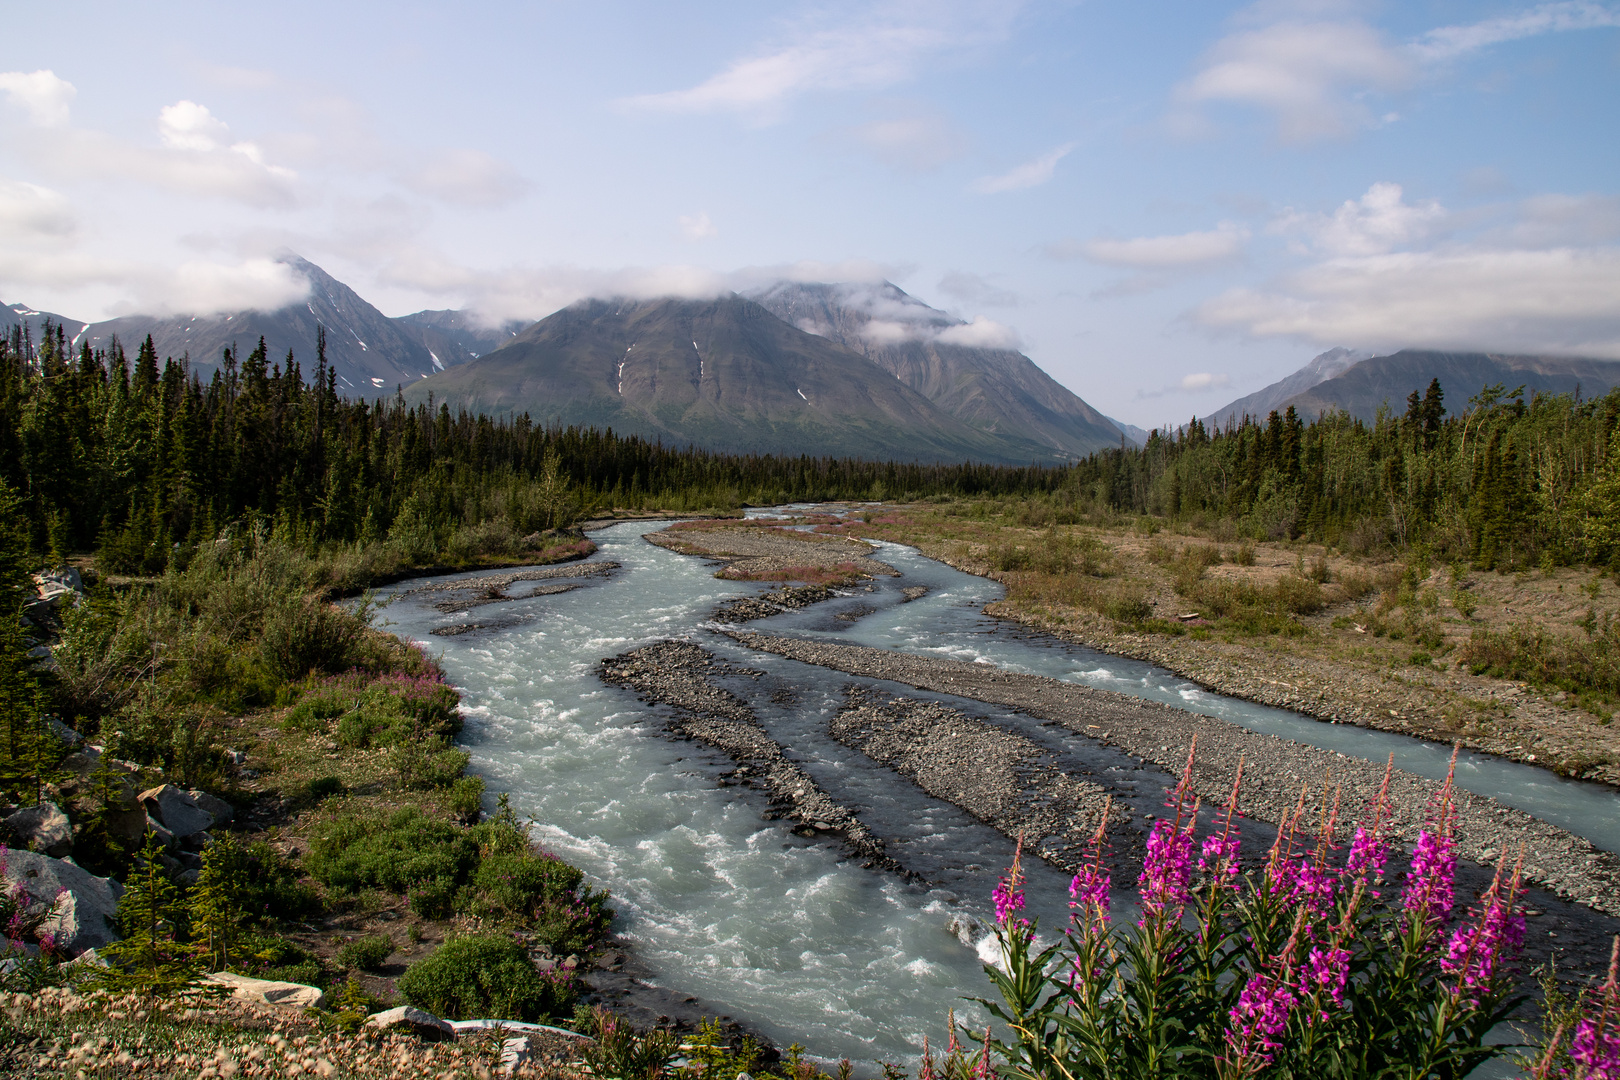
[269,991]
[42,828]
[83,905]
[222,810]
[177,811]
[412,1021]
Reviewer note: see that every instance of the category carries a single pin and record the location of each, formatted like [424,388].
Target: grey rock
[176,810]
[127,824]
[236,757]
[42,828]
[223,811]
[82,915]
[515,1053]
[64,733]
[269,991]
[965,928]
[165,837]
[412,1021]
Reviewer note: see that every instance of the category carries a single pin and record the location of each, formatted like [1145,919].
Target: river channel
[779,931]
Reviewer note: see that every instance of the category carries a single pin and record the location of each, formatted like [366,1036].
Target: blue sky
[1164,204]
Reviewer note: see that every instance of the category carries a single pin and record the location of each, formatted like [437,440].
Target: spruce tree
[153,957]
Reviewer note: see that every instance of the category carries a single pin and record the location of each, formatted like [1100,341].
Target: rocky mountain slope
[453,337]
[371,354]
[1362,388]
[958,366]
[1259,404]
[725,374]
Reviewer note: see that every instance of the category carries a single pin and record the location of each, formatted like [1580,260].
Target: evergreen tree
[153,957]
[216,902]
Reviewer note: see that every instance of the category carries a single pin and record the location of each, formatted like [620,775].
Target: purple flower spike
[1166,869]
[1429,895]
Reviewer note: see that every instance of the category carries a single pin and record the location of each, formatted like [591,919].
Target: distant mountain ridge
[370,353]
[725,374]
[1259,404]
[1363,388]
[993,388]
[453,337]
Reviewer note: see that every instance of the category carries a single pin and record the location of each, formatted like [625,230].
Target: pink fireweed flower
[1329,973]
[1475,949]
[1262,1010]
[1430,884]
[1596,1045]
[1367,854]
[1219,857]
[982,1071]
[1166,869]
[1009,891]
[1088,892]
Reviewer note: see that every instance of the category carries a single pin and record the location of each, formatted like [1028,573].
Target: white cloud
[1452,41]
[1316,72]
[1225,241]
[1310,74]
[912,139]
[883,48]
[46,99]
[199,288]
[194,288]
[1204,380]
[1029,174]
[973,289]
[1377,222]
[186,125]
[466,177]
[981,333]
[696,226]
[30,212]
[1559,300]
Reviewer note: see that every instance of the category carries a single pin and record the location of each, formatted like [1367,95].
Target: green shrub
[269,957]
[467,797]
[486,976]
[367,952]
[272,890]
[324,787]
[407,850]
[303,635]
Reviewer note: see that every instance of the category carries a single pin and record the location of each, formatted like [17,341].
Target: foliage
[154,956]
[405,850]
[487,976]
[216,902]
[1300,968]
[367,952]
[620,1050]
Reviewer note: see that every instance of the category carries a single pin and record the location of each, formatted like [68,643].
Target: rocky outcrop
[408,1020]
[82,905]
[41,828]
[175,812]
[269,991]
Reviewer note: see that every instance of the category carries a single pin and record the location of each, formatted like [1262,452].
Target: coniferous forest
[141,461]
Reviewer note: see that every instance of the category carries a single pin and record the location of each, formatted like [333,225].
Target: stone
[222,810]
[126,824]
[42,828]
[269,991]
[236,757]
[82,916]
[66,734]
[165,837]
[176,810]
[412,1021]
[966,928]
[515,1053]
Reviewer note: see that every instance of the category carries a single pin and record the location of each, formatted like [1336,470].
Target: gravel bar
[680,674]
[1275,770]
[1004,779]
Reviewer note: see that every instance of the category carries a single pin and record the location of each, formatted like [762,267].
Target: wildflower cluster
[1295,968]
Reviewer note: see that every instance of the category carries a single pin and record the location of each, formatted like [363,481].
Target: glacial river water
[774,930]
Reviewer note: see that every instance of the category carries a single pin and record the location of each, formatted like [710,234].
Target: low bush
[487,976]
[406,850]
[544,894]
[367,952]
[324,787]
